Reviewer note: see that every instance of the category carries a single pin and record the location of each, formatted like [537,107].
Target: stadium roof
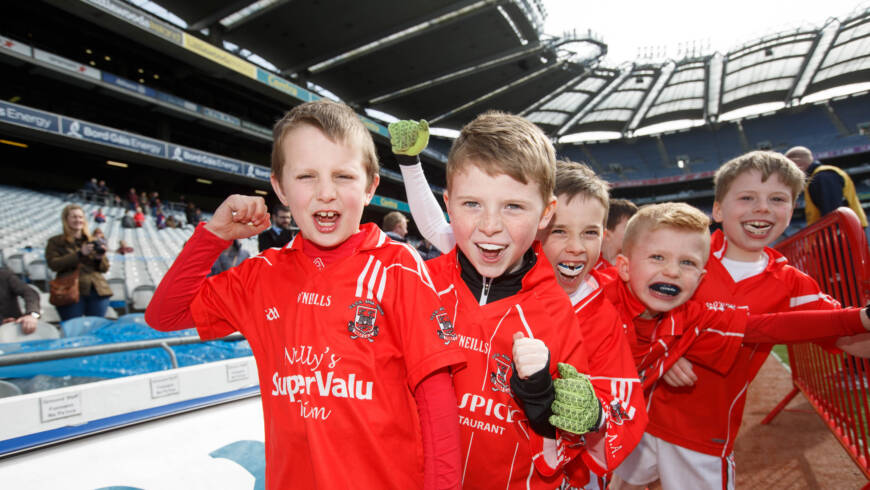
[448,61]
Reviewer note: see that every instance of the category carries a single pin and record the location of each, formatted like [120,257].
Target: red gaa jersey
[602,264]
[496,446]
[721,396]
[713,330]
[616,384]
[339,352]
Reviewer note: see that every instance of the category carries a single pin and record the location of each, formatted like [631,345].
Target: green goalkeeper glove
[409,137]
[576,408]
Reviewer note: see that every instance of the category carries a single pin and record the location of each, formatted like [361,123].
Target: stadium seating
[853,111]
[708,147]
[133,277]
[11,332]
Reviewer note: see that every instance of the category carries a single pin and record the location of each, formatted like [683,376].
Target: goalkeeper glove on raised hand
[576,408]
[409,137]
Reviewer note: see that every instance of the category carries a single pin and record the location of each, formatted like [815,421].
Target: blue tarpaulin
[126,329]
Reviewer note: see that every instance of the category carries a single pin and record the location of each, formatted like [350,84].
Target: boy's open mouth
[569,269]
[757,228]
[490,251]
[666,289]
[326,221]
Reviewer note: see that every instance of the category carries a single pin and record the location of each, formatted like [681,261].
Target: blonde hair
[767,163]
[574,179]
[674,215]
[67,231]
[337,121]
[505,144]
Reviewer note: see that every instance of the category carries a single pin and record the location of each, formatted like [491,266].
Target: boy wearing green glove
[495,170]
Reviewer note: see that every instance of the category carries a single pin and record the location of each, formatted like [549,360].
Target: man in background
[395,225]
[828,187]
[279,234]
[11,287]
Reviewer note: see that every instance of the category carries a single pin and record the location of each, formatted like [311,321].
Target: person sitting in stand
[99,217]
[11,288]
[139,218]
[123,248]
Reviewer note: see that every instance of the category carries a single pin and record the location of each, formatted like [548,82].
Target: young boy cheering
[754,199]
[572,244]
[345,360]
[499,197]
[665,250]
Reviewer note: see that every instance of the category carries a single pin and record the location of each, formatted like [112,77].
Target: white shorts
[677,467]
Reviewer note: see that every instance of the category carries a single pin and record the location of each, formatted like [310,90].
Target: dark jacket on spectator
[270,238]
[10,289]
[63,256]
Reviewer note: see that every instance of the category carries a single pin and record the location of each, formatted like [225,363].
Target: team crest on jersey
[363,323]
[617,413]
[500,378]
[445,326]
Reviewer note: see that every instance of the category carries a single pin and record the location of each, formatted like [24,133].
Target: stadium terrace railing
[834,252]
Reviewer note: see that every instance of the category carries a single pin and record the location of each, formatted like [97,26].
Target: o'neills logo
[331,385]
[310,298]
[488,407]
[719,306]
[474,344]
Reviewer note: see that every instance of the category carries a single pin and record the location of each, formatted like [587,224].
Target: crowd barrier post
[834,252]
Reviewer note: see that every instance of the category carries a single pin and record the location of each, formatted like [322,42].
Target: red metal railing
[834,252]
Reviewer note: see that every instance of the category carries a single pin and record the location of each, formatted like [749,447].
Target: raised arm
[409,138]
[237,217]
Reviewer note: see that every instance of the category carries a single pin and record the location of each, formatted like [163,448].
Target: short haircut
[574,179]
[280,207]
[799,153]
[337,121]
[392,219]
[767,163]
[620,209]
[501,143]
[674,215]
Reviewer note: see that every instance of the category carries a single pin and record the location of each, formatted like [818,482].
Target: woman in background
[75,249]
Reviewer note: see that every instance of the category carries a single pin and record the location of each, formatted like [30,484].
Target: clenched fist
[239,217]
[530,355]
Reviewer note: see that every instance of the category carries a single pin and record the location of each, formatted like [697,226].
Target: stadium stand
[133,276]
[852,111]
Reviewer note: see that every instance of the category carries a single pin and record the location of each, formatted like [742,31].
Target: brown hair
[392,219]
[574,179]
[337,121]
[674,215]
[620,209]
[500,143]
[768,163]
[67,232]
